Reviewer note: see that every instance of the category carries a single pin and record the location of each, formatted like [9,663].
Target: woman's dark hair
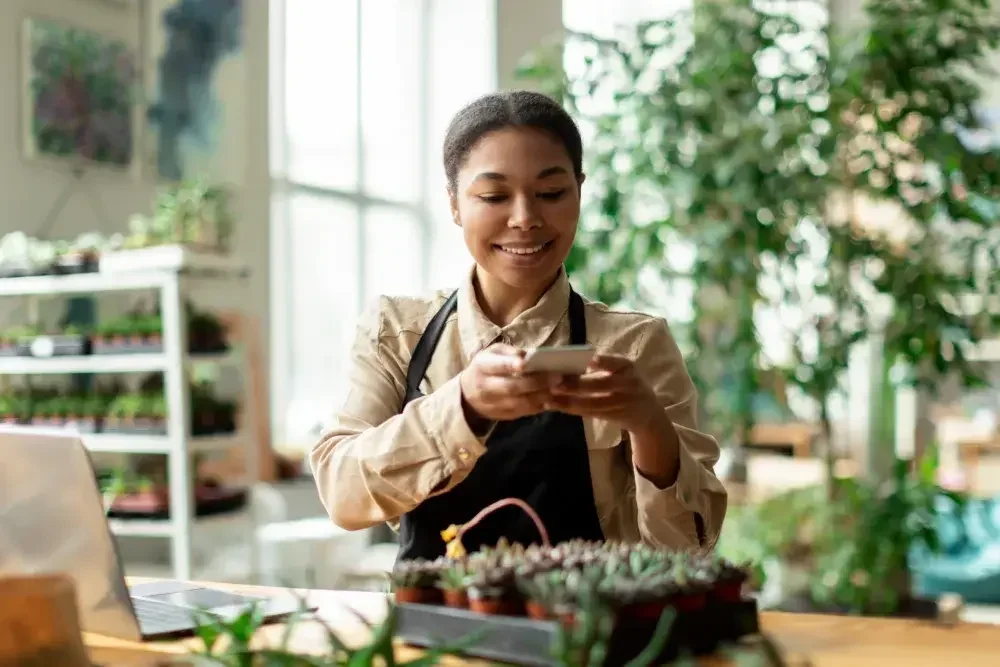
[504,109]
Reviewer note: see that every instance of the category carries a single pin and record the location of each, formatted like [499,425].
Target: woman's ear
[579,181]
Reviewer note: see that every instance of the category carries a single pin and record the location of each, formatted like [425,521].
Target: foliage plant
[911,156]
[856,547]
[701,150]
[823,177]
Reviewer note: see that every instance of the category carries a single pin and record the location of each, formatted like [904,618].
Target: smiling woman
[441,419]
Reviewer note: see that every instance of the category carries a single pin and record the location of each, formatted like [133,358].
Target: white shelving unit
[170,271]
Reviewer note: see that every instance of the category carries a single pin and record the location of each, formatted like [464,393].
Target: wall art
[79,101]
[197,87]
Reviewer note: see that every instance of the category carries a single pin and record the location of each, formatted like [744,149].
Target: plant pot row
[524,592]
[203,423]
[59,345]
[636,581]
[70,263]
[154,502]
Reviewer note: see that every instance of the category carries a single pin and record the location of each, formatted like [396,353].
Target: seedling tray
[70,345]
[134,429]
[525,641]
[128,347]
[209,502]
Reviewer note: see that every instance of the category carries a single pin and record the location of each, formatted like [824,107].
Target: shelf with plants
[137,332]
[114,409]
[143,494]
[637,597]
[22,255]
[174,419]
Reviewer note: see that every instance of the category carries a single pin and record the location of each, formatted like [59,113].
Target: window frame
[285,187]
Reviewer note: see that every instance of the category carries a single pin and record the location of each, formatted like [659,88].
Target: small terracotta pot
[687,602]
[646,611]
[487,606]
[536,610]
[457,599]
[729,592]
[502,606]
[417,595]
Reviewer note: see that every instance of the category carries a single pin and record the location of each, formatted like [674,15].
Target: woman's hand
[611,389]
[494,387]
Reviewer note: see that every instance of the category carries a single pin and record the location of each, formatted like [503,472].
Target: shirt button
[463,455]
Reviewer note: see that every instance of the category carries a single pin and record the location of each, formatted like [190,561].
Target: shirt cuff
[458,445]
[667,516]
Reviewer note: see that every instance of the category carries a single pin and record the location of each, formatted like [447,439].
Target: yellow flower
[454,548]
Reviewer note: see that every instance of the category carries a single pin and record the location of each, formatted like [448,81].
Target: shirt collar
[532,328]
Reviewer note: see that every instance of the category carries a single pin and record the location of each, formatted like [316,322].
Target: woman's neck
[501,303]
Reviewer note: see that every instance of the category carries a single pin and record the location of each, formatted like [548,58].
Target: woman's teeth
[522,251]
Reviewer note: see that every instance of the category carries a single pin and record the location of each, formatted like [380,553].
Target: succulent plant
[452,575]
[416,573]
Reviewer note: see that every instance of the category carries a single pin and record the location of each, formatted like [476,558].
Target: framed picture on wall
[79,96]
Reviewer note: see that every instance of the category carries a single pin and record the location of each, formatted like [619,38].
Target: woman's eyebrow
[496,176]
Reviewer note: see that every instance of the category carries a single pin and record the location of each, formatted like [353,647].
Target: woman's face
[518,202]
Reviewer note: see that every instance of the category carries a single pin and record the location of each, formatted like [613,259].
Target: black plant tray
[524,641]
[129,347]
[134,429]
[73,345]
[64,268]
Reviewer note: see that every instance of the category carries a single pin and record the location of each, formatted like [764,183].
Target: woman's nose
[523,215]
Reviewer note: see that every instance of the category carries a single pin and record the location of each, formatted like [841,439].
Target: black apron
[542,460]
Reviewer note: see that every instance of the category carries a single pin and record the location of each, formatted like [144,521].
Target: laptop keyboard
[157,618]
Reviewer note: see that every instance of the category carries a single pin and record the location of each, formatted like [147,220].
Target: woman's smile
[523,254]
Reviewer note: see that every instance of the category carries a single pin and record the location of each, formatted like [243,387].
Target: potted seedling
[78,257]
[150,328]
[115,486]
[91,407]
[39,412]
[154,413]
[9,409]
[725,579]
[123,413]
[690,591]
[205,333]
[110,337]
[415,581]
[21,338]
[492,589]
[451,581]
[548,593]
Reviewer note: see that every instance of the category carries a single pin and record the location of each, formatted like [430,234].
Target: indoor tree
[701,164]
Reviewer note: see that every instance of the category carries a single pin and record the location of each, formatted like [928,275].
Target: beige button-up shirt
[377,462]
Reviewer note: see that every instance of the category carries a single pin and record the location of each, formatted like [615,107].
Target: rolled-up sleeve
[690,512]
[376,462]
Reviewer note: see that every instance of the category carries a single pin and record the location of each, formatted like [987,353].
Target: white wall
[104,199]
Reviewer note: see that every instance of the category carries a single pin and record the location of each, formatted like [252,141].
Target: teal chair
[969,563]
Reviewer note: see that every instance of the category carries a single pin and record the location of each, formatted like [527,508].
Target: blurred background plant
[788,192]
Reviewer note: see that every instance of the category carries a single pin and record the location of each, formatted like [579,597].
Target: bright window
[349,98]
[362,92]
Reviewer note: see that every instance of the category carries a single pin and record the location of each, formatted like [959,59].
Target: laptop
[52,521]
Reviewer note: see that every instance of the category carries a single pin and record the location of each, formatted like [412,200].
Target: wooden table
[806,639]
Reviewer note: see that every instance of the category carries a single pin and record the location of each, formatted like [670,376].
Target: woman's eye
[493,199]
[552,195]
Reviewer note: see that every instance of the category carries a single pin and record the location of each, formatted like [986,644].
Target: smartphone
[567,359]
